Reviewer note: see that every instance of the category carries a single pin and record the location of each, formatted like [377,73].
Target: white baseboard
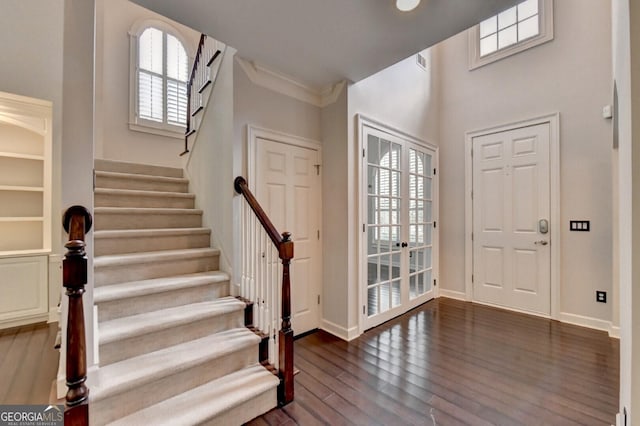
[54,314]
[452,294]
[589,322]
[614,331]
[339,331]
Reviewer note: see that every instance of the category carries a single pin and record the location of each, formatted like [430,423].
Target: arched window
[160,75]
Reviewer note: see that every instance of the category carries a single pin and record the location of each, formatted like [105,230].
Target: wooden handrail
[77,222]
[241,187]
[192,76]
[285,252]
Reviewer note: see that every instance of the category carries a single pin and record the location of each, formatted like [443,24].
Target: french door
[398,233]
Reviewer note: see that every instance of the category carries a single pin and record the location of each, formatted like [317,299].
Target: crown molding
[285,85]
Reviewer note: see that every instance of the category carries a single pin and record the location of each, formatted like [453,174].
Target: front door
[398,243]
[511,211]
[288,188]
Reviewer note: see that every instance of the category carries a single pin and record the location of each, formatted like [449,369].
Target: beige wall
[570,75]
[261,107]
[114,139]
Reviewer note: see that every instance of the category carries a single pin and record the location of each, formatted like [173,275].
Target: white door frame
[362,122]
[253,134]
[553,120]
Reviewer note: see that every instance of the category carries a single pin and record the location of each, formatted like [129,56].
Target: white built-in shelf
[21,219]
[22,156]
[21,188]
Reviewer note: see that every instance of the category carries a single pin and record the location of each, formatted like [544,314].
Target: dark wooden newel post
[77,222]
[285,391]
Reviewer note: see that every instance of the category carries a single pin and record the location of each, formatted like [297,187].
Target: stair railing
[77,222]
[266,256]
[199,79]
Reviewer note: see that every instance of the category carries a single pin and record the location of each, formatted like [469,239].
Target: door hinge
[364,310]
[471,277]
[434,171]
[435,283]
[317,166]
[318,234]
[472,195]
[472,236]
[94,179]
[434,223]
[363,230]
[318,299]
[363,154]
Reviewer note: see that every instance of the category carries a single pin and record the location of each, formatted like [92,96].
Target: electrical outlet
[601,296]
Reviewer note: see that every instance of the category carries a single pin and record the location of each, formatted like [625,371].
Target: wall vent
[422,61]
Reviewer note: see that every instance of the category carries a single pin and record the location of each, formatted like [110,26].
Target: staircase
[173,344]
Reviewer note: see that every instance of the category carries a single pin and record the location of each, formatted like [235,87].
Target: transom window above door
[518,28]
[160,72]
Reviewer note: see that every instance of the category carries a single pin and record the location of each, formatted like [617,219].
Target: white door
[288,188]
[398,242]
[511,211]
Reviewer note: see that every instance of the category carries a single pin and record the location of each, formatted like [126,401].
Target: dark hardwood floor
[28,364]
[453,363]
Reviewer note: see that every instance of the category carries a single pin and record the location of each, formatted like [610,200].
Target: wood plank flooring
[456,363]
[28,363]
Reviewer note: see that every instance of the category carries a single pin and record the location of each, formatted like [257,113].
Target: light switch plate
[580,225]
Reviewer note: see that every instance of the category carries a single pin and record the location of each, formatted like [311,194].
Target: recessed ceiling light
[407,5]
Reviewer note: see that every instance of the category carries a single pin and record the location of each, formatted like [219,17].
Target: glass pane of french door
[420,222]
[384,189]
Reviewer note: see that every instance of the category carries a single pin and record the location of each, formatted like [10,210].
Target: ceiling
[320,42]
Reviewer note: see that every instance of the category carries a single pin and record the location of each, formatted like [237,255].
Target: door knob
[542,242]
[404,244]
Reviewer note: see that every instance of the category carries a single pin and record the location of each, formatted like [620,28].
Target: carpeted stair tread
[133,372]
[143,193]
[204,403]
[141,177]
[157,285]
[146,210]
[138,325]
[152,256]
[136,168]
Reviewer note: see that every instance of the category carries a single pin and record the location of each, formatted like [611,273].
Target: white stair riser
[116,220]
[168,299]
[106,246]
[117,182]
[134,168]
[129,400]
[146,201]
[105,275]
[153,341]
[248,410]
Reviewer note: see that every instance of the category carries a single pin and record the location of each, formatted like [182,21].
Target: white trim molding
[590,322]
[553,120]
[545,13]
[347,334]
[452,294]
[288,86]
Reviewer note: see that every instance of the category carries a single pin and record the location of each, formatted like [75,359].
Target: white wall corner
[55,287]
[339,331]
[452,294]
[273,80]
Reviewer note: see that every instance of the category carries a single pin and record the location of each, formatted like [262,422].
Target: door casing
[361,123]
[554,169]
